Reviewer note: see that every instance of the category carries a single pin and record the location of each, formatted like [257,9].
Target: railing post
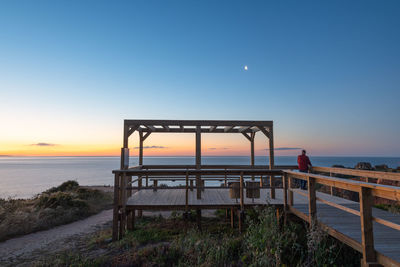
[240,214]
[272,184]
[123,209]
[290,186]
[226,180]
[312,201]
[285,199]
[140,212]
[155,184]
[241,192]
[187,192]
[367,234]
[116,208]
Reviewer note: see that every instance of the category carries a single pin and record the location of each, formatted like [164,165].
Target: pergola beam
[146,135]
[247,136]
[151,128]
[198,123]
[264,131]
[243,129]
[227,129]
[132,130]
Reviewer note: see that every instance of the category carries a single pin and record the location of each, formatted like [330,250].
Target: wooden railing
[192,178]
[365,190]
[392,176]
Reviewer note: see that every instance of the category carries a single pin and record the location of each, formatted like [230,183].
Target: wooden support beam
[228,128]
[198,122]
[247,136]
[166,128]
[181,128]
[212,128]
[367,234]
[243,129]
[140,212]
[264,131]
[290,186]
[252,135]
[312,201]
[132,129]
[141,148]
[123,204]
[241,192]
[271,161]
[150,127]
[116,208]
[146,135]
[125,137]
[198,160]
[285,192]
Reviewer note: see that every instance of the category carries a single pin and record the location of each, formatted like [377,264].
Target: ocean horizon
[24,177]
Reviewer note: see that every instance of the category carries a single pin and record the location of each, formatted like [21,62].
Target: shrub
[66,186]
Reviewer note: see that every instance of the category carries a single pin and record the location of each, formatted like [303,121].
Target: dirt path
[20,251]
[13,251]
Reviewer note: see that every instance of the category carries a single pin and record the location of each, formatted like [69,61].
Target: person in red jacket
[304,166]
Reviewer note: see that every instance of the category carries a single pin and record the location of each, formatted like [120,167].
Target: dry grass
[58,205]
[175,242]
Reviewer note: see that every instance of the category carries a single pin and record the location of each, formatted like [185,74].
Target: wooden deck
[211,198]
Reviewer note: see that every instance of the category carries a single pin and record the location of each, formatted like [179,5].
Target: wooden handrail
[378,190]
[359,173]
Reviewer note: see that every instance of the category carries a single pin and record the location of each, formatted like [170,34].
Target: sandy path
[23,246]
[24,249]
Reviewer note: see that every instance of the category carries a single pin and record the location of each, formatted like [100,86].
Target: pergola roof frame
[190,126]
[146,127]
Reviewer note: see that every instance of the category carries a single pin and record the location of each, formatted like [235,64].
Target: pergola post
[198,160]
[271,161]
[252,137]
[141,148]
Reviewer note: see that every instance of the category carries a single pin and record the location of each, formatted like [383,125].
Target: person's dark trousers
[303,183]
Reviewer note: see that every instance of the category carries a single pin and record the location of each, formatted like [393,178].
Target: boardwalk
[386,239]
[165,198]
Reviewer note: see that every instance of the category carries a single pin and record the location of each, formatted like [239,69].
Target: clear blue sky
[326,72]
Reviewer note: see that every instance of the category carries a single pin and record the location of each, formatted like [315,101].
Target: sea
[25,177]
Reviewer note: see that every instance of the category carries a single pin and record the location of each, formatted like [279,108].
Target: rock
[363,166]
[337,166]
[382,167]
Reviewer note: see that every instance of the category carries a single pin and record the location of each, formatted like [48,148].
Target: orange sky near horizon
[165,144]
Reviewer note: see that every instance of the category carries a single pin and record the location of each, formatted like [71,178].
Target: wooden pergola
[146,127]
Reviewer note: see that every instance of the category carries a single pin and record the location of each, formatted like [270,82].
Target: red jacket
[303,162]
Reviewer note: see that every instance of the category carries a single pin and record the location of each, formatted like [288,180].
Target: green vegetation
[176,242]
[59,205]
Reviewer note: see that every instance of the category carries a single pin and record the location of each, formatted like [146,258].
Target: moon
[245,67]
